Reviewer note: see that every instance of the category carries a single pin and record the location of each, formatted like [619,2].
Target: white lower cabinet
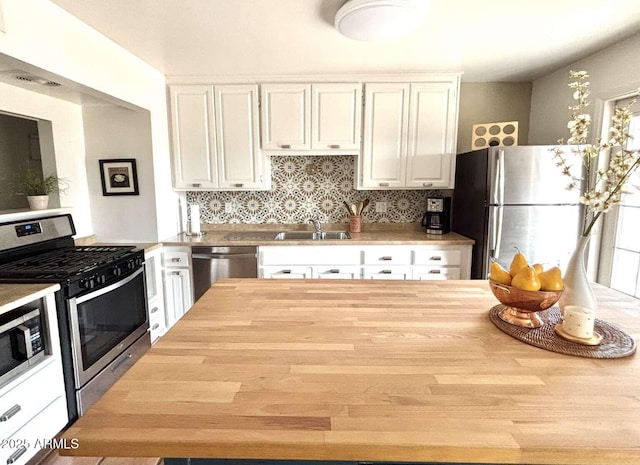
[155,294]
[285,272]
[33,406]
[392,262]
[178,284]
[336,272]
[387,272]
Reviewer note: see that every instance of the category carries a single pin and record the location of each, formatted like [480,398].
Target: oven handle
[109,288]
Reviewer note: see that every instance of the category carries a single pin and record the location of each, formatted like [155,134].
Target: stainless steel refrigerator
[508,197]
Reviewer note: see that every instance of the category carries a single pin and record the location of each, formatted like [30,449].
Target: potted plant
[37,187]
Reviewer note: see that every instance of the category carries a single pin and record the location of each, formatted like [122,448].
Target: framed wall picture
[119,176]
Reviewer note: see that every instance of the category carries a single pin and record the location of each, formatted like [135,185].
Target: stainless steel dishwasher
[213,263]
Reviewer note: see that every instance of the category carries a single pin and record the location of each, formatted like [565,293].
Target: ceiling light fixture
[379,19]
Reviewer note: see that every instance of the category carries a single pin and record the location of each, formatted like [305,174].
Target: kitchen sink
[311,236]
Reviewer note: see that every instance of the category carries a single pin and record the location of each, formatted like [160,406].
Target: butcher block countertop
[367,371]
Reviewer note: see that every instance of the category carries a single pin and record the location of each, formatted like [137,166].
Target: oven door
[105,322]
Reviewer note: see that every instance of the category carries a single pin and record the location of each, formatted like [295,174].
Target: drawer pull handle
[334,271]
[385,272]
[434,271]
[13,458]
[285,146]
[334,146]
[436,258]
[286,271]
[383,184]
[386,258]
[154,309]
[196,184]
[176,260]
[11,412]
[427,184]
[156,326]
[239,184]
[175,273]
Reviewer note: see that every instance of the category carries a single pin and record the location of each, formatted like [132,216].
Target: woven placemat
[615,342]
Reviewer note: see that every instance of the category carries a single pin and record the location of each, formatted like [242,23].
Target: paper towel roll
[194,211]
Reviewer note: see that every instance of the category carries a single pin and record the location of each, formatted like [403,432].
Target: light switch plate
[381,207]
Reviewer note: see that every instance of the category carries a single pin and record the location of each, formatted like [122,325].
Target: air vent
[24,78]
[36,80]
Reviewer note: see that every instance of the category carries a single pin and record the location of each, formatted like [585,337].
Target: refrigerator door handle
[500,179]
[496,238]
[497,180]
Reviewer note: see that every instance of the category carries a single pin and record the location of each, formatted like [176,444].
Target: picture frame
[119,176]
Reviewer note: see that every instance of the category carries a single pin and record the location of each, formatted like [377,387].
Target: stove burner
[63,263]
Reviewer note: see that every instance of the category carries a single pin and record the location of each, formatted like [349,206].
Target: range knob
[101,279]
[116,271]
[88,283]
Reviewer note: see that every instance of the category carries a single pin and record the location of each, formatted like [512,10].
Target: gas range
[101,306]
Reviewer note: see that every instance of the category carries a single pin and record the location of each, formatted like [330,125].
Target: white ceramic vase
[577,287]
[38,202]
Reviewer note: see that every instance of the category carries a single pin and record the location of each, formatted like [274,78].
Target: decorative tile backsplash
[305,187]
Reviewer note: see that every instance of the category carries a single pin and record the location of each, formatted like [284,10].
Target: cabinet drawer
[26,399]
[336,272]
[437,257]
[286,272]
[28,440]
[156,329]
[156,311]
[387,256]
[176,258]
[387,272]
[435,273]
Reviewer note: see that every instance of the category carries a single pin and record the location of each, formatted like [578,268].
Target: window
[625,259]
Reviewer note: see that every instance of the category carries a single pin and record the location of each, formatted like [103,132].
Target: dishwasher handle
[223,256]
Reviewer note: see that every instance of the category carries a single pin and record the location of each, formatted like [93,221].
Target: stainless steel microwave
[22,342]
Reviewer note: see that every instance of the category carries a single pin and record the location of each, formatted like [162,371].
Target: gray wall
[493,102]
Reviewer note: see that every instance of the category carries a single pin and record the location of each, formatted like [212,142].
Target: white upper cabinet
[286,116]
[384,148]
[409,135]
[215,138]
[240,164]
[432,135]
[194,142]
[336,116]
[311,118]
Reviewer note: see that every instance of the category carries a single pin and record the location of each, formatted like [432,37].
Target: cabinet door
[286,117]
[432,132]
[192,129]
[383,159]
[285,272]
[336,272]
[336,116]
[240,164]
[432,273]
[179,298]
[390,272]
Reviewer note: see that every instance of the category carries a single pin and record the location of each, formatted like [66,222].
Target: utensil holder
[355,224]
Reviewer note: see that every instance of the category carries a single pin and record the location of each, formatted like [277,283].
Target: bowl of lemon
[524,289]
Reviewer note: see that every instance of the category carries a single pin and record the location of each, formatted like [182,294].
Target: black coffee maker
[437,219]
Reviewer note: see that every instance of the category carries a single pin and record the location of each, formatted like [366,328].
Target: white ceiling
[490,40]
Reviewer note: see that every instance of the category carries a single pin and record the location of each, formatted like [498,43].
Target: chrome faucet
[316,224]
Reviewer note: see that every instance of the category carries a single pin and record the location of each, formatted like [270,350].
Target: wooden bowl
[521,306]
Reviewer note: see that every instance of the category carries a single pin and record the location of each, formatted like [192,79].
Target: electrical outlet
[381,207]
[228,207]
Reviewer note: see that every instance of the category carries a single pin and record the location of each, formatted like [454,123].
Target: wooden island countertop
[367,371]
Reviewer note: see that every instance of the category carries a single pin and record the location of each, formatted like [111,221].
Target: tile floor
[54,459]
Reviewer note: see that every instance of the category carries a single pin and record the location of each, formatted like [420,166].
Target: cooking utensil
[348,207]
[354,209]
[364,205]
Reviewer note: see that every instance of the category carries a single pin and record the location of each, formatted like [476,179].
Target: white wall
[43,35]
[614,71]
[115,132]
[68,140]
